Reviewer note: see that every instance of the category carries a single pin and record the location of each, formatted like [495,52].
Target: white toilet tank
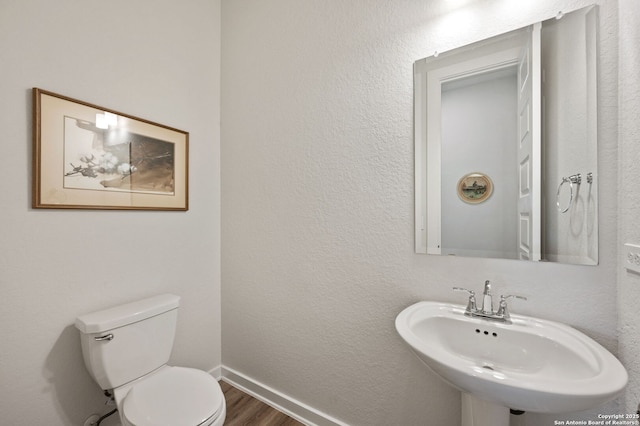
[123,343]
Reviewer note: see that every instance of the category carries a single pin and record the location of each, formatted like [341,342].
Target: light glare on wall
[457,2]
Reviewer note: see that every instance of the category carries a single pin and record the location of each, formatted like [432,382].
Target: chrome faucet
[487,300]
[487,312]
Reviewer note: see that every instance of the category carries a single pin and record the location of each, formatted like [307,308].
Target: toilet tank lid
[118,316]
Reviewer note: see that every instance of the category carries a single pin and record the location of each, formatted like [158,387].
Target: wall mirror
[519,109]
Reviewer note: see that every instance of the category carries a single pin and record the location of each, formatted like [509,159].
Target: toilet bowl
[172,396]
[126,349]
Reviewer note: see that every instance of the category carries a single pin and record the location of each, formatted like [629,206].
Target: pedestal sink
[530,364]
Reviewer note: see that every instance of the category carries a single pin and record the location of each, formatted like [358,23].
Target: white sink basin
[530,365]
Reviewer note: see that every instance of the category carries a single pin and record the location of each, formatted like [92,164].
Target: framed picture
[89,157]
[475,188]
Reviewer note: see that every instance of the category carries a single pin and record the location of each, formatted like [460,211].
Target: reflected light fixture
[106,119]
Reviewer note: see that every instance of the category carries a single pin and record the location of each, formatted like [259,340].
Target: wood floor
[244,410]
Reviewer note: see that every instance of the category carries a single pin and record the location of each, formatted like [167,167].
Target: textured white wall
[157,60]
[629,194]
[317,202]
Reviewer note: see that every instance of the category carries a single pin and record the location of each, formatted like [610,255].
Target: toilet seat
[174,396]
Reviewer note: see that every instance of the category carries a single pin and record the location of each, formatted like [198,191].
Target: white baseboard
[216,372]
[281,402]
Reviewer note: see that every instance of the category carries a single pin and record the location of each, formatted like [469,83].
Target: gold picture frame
[474,188]
[89,157]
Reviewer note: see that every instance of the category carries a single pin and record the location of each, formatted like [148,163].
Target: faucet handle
[471,292]
[504,298]
[471,304]
[503,310]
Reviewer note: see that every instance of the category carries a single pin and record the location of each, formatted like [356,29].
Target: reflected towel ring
[589,178]
[577,179]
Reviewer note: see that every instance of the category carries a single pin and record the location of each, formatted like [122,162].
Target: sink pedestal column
[478,412]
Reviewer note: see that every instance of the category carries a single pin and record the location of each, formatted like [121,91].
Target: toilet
[126,349]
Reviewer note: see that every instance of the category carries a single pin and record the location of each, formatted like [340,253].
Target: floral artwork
[89,157]
[114,159]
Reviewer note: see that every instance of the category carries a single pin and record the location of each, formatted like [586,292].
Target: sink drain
[488,367]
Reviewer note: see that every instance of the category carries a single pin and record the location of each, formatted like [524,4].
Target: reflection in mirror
[520,110]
